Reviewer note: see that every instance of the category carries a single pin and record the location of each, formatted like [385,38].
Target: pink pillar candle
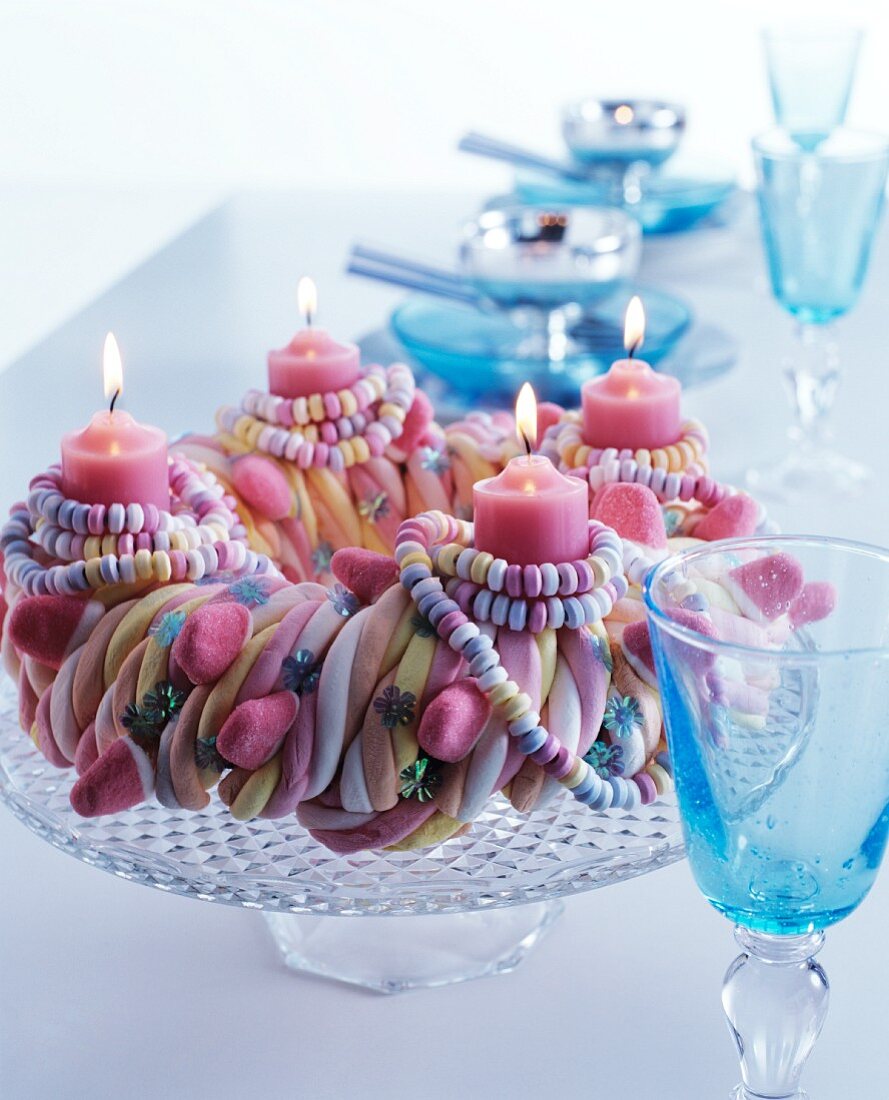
[530,513]
[631,406]
[313,362]
[115,460]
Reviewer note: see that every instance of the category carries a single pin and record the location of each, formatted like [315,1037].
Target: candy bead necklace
[201,536]
[564,444]
[336,429]
[416,542]
[536,596]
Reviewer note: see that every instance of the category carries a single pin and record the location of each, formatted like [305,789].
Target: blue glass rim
[781,542]
[790,151]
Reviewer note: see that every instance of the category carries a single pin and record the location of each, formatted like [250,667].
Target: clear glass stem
[775,998]
[812,377]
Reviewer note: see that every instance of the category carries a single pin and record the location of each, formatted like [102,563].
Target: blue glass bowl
[672,200]
[481,354]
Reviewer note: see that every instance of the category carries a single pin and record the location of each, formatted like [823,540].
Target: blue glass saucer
[484,354]
[673,199]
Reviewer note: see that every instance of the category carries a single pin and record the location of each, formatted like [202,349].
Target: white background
[120,120]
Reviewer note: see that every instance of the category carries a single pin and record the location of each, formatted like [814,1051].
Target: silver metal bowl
[548,256]
[601,131]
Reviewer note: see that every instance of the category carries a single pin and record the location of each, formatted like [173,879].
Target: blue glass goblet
[811,71]
[819,211]
[774,722]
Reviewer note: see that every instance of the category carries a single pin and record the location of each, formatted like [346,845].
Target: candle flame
[112,369]
[634,326]
[526,417]
[307,298]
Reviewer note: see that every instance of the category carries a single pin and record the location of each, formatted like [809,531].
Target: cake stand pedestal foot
[391,954]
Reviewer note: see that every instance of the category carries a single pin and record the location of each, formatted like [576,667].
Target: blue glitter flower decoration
[419,780]
[207,757]
[601,650]
[673,518]
[374,508]
[434,460]
[225,577]
[423,628]
[166,630]
[344,602]
[605,760]
[622,715]
[301,672]
[322,556]
[249,591]
[395,707]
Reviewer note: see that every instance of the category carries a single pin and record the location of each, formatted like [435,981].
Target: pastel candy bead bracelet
[563,443]
[534,596]
[336,429]
[124,543]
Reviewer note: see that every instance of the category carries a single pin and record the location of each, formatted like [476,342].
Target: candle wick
[633,348]
[308,318]
[528,448]
[114,398]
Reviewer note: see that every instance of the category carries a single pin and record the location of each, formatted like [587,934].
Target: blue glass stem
[812,377]
[775,997]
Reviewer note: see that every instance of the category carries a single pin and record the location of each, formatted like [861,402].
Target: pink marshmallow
[121,778]
[364,572]
[734,517]
[210,639]
[816,601]
[767,587]
[453,721]
[255,730]
[262,485]
[633,511]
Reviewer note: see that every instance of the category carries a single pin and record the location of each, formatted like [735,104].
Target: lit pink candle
[313,362]
[114,459]
[530,513]
[631,406]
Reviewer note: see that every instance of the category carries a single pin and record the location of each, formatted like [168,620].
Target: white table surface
[113,990]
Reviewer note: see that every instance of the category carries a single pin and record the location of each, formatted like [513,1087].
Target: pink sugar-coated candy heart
[767,587]
[548,414]
[453,721]
[254,731]
[43,626]
[419,417]
[364,572]
[210,639]
[816,601]
[734,517]
[45,740]
[636,645]
[87,751]
[262,485]
[633,511]
[122,777]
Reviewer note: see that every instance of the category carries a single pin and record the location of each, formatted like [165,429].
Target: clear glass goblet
[775,726]
[819,211]
[811,70]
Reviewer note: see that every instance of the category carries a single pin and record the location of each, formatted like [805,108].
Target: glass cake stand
[488,896]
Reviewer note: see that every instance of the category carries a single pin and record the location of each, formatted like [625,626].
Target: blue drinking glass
[774,719]
[811,71]
[819,211]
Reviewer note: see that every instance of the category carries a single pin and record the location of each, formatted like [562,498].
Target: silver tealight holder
[623,138]
[546,265]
